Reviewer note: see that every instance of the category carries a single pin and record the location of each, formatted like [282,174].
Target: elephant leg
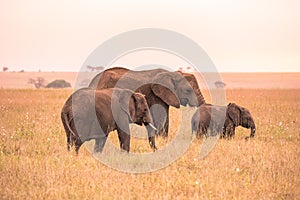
[199,134]
[151,137]
[223,133]
[165,132]
[159,115]
[214,130]
[78,144]
[160,127]
[124,139]
[72,141]
[226,132]
[205,131]
[230,132]
[99,144]
[69,141]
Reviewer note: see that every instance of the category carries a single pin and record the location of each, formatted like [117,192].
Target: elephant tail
[66,119]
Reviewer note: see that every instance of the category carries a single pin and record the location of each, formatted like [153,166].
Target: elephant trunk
[147,120]
[253,129]
[200,97]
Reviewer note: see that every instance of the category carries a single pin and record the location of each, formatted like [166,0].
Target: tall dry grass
[35,164]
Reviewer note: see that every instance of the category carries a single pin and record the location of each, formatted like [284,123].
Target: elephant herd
[118,96]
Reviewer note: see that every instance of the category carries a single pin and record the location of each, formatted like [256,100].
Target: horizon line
[68,71]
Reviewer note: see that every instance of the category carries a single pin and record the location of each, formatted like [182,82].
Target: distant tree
[38,82]
[58,84]
[5,69]
[100,68]
[220,84]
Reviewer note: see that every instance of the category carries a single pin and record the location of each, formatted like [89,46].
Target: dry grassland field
[35,163]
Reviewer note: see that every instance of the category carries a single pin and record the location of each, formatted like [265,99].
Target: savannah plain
[35,163]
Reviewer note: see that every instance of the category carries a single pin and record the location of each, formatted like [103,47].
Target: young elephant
[222,119]
[92,114]
[208,118]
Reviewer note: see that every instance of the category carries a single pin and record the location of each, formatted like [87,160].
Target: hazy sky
[254,35]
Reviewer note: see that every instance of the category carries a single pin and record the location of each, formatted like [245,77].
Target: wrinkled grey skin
[93,114]
[161,89]
[221,120]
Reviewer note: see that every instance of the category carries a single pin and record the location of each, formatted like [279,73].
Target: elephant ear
[234,113]
[163,86]
[127,103]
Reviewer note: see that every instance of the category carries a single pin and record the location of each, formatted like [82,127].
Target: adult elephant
[92,114]
[161,88]
[222,119]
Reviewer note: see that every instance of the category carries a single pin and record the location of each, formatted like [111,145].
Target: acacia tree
[38,82]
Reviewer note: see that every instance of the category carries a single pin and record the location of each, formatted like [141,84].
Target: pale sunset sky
[239,36]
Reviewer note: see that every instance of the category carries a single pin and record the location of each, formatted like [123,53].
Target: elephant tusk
[152,126]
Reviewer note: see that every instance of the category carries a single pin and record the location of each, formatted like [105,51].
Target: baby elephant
[92,114]
[221,119]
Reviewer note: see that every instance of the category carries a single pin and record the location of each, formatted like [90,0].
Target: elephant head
[174,89]
[241,117]
[194,84]
[129,107]
[134,105]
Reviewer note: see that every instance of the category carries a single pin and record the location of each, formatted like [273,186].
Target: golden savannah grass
[35,163]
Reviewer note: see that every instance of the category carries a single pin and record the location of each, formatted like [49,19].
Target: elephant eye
[188,90]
